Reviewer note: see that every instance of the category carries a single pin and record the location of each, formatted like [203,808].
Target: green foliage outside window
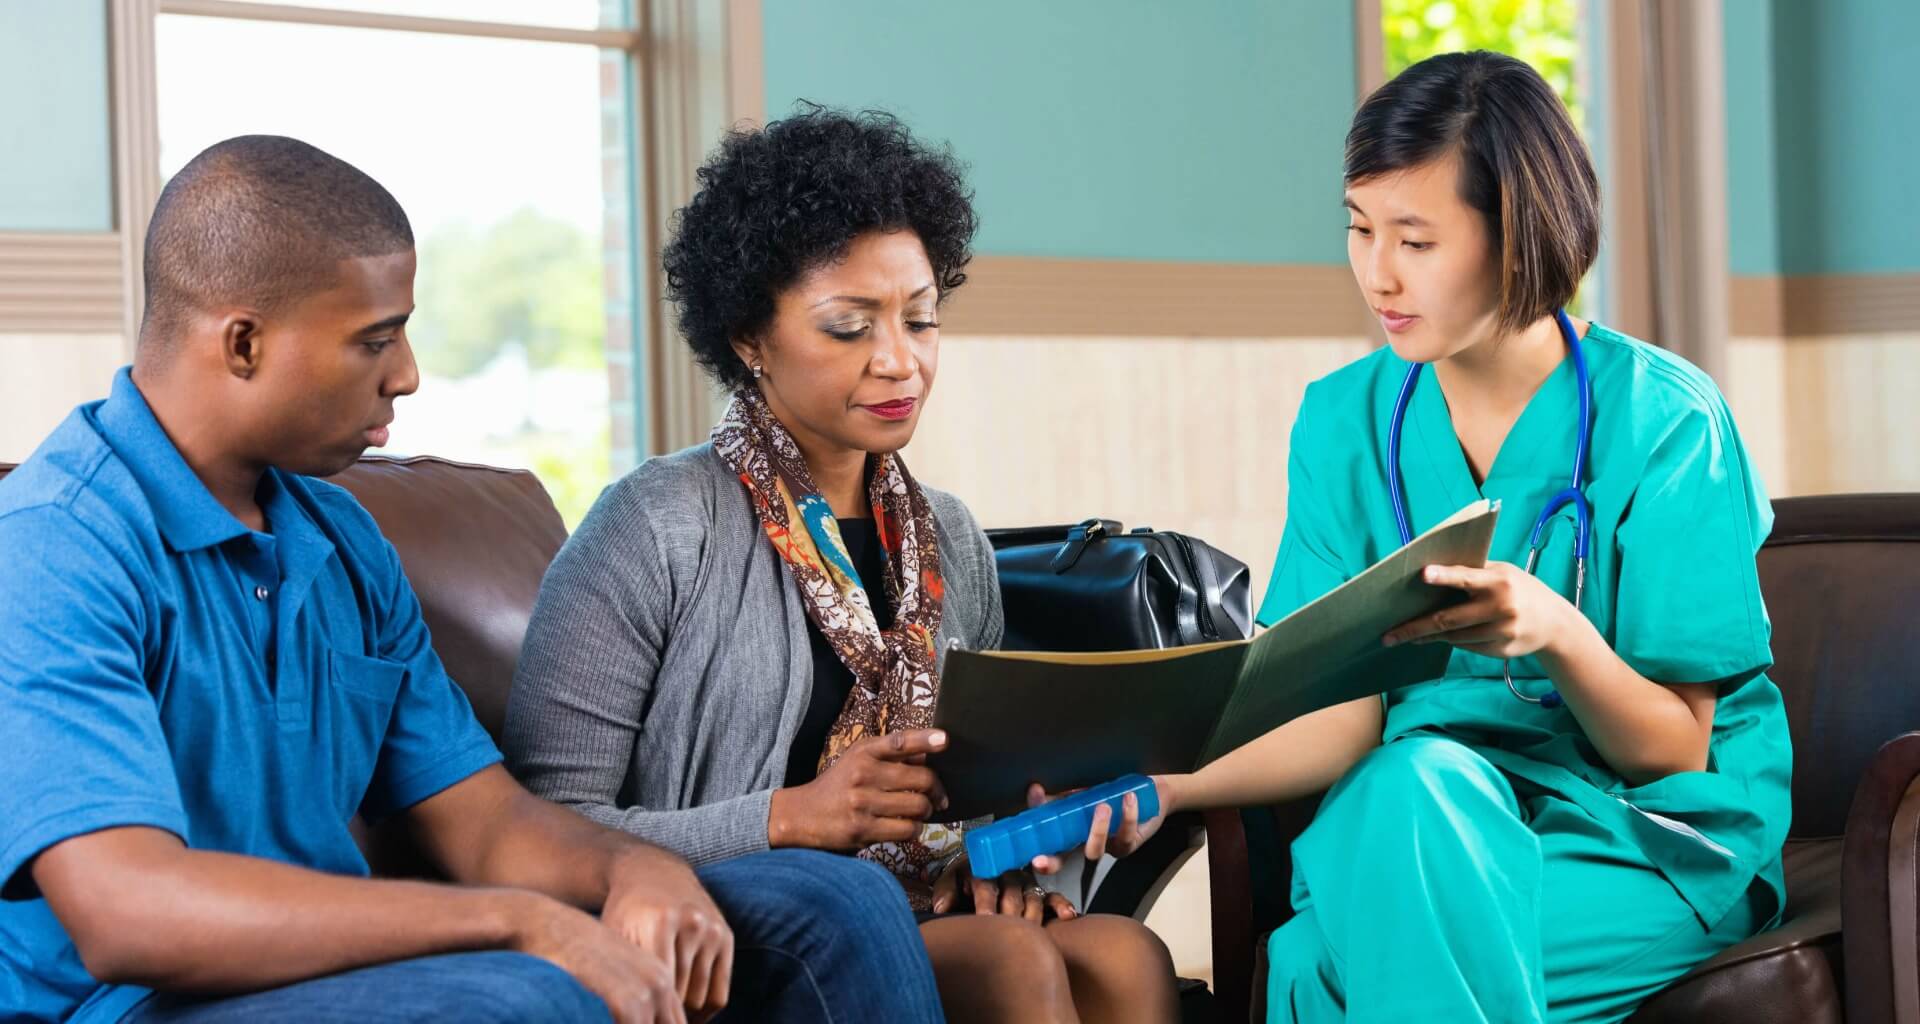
[530,281]
[529,285]
[1544,33]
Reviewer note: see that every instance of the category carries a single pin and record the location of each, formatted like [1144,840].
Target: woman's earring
[758,372]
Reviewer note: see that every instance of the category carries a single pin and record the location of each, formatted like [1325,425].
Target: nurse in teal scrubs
[1481,857]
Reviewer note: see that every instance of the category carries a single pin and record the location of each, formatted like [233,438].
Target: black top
[832,680]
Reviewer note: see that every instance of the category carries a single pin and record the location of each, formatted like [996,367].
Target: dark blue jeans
[817,937]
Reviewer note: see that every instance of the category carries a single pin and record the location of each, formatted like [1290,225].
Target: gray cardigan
[668,666]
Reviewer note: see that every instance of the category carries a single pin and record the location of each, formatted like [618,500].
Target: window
[552,13]
[511,157]
[1544,33]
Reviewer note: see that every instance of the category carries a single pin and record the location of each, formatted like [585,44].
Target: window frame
[681,83]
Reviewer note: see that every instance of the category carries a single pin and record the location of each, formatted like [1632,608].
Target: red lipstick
[898,409]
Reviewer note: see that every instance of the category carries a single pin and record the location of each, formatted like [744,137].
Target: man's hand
[879,791]
[488,831]
[657,903]
[636,984]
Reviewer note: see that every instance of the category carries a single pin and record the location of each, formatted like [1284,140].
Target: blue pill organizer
[1054,827]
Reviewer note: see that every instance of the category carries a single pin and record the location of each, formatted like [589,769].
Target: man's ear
[240,342]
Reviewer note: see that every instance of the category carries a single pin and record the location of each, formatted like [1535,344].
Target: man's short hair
[260,220]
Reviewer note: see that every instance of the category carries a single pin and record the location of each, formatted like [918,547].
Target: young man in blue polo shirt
[209,662]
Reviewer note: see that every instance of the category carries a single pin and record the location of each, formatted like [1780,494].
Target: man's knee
[513,988]
[488,987]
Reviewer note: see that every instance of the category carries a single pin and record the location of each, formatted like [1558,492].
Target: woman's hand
[1014,894]
[1509,613]
[879,791]
[1130,836]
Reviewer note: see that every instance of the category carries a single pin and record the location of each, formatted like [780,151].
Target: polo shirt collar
[188,515]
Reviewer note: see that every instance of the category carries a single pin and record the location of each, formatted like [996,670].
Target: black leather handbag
[1096,587]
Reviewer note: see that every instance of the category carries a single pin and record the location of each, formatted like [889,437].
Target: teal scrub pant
[1428,889]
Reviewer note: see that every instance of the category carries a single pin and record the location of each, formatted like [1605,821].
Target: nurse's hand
[1130,836]
[1508,613]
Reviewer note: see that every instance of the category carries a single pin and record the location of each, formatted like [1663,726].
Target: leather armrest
[1880,887]
[1231,892]
[1243,915]
[1134,883]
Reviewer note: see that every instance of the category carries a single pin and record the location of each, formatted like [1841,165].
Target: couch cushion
[475,542]
[1792,974]
[1841,574]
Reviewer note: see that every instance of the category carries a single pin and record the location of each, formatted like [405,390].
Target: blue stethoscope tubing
[1572,494]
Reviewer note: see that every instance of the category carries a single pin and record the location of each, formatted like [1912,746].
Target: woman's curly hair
[776,202]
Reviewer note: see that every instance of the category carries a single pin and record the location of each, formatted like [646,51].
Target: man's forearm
[549,849]
[143,909]
[490,831]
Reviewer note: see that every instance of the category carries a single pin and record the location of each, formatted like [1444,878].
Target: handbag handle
[1078,537]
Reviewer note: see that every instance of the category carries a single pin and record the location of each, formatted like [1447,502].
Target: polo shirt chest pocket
[359,704]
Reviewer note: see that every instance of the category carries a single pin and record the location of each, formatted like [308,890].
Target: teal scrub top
[1678,516]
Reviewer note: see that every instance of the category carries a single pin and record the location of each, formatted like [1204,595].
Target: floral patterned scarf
[894,670]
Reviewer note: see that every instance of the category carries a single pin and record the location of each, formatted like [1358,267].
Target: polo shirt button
[260,593]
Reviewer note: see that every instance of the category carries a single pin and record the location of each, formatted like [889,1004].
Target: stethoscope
[1572,495]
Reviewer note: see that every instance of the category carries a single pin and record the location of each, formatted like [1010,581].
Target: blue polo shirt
[163,665]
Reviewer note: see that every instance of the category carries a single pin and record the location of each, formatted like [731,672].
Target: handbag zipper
[1193,573]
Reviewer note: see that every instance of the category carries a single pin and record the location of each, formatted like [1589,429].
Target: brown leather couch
[475,542]
[1841,574]
[1842,579]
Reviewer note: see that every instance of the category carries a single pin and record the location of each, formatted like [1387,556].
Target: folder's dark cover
[1073,720]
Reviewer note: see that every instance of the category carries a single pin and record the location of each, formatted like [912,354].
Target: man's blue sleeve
[81,747]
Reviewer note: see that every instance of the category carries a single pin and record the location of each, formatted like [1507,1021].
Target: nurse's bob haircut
[1523,166]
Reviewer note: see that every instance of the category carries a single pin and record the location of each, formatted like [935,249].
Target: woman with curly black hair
[740,648]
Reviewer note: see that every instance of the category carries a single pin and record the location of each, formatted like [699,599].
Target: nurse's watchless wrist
[1571,633]
[1172,792]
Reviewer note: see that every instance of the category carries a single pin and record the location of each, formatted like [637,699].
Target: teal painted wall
[1753,194]
[1847,137]
[1114,129]
[1211,131]
[56,155]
